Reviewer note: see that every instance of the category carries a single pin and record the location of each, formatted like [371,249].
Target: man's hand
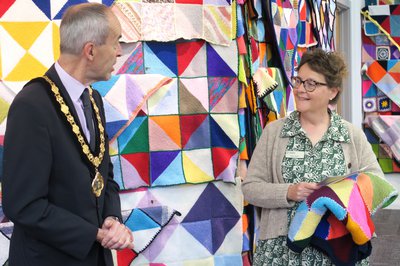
[115,235]
[300,191]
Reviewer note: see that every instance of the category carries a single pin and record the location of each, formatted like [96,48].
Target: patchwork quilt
[337,217]
[208,231]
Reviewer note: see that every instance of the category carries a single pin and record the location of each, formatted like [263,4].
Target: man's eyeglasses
[308,84]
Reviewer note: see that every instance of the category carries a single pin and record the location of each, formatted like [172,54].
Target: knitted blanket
[337,218]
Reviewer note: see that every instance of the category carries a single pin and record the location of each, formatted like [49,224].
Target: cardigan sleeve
[262,187]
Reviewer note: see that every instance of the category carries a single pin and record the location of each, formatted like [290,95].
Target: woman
[296,152]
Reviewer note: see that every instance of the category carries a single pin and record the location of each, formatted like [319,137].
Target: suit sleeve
[27,169]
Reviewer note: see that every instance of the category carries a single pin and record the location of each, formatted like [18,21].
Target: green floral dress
[326,158]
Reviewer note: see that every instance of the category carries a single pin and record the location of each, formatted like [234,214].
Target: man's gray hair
[81,24]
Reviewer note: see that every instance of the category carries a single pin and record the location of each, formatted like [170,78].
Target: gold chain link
[95,160]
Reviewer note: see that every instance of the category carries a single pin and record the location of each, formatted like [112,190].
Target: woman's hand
[300,191]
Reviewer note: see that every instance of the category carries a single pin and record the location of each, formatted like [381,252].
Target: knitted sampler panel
[337,217]
[172,20]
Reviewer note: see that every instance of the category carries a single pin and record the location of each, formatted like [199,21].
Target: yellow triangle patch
[56,41]
[4,106]
[1,64]
[25,33]
[27,68]
[193,173]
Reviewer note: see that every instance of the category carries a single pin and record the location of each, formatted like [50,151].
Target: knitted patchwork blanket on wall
[337,218]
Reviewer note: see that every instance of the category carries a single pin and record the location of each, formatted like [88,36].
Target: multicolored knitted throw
[337,217]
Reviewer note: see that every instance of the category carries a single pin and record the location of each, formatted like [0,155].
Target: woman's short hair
[81,24]
[330,64]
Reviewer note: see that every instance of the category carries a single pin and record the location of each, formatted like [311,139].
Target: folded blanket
[337,218]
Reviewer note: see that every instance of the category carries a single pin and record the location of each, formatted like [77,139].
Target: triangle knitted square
[223,94]
[135,137]
[18,62]
[224,134]
[221,62]
[368,88]
[224,159]
[165,100]
[135,170]
[191,59]
[376,71]
[200,138]
[160,161]
[20,11]
[166,168]
[189,124]
[134,62]
[5,5]
[164,132]
[161,58]
[193,95]
[197,166]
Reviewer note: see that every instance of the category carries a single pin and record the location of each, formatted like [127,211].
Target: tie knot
[85,98]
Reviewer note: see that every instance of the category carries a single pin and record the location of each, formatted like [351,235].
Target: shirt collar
[73,86]
[337,131]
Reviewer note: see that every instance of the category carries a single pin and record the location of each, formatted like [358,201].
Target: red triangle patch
[5,5]
[386,24]
[125,257]
[395,75]
[189,124]
[221,159]
[141,163]
[186,51]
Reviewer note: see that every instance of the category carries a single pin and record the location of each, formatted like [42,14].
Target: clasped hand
[115,235]
[300,191]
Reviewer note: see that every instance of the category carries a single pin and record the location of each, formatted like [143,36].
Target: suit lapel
[52,74]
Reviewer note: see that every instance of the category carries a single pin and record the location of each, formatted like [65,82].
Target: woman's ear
[333,93]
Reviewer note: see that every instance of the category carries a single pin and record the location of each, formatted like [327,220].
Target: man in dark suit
[58,185]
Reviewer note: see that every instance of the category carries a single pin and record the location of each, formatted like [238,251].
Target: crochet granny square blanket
[337,218]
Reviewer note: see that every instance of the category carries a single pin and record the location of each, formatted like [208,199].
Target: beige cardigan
[264,186]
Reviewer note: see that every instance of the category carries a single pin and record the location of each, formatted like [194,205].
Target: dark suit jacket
[47,183]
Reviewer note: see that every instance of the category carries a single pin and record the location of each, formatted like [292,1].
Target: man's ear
[88,50]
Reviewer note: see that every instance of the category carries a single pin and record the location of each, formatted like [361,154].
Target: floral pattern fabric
[325,158]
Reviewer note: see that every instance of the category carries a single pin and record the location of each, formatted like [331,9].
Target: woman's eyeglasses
[308,84]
